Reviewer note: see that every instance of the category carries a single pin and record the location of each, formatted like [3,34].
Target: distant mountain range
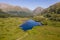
[25,12]
[8,7]
[19,11]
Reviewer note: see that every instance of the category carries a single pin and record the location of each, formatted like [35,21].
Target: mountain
[52,12]
[19,11]
[15,10]
[38,10]
[8,7]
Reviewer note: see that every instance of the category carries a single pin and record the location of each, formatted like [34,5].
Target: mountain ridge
[17,10]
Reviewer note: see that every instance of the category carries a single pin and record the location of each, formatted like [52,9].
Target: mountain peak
[38,10]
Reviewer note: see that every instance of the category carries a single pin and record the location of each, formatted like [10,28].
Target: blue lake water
[30,24]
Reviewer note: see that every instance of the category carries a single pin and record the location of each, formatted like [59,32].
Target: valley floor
[10,30]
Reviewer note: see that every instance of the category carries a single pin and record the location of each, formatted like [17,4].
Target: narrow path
[25,35]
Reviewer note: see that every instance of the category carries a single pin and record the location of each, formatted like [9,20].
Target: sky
[31,4]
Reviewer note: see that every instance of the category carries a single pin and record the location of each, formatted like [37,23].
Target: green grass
[10,30]
[44,33]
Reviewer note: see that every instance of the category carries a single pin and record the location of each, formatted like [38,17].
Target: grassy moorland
[10,30]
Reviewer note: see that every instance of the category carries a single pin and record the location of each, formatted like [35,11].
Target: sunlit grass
[44,33]
[10,30]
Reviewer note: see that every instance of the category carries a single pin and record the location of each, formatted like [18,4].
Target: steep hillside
[53,12]
[3,14]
